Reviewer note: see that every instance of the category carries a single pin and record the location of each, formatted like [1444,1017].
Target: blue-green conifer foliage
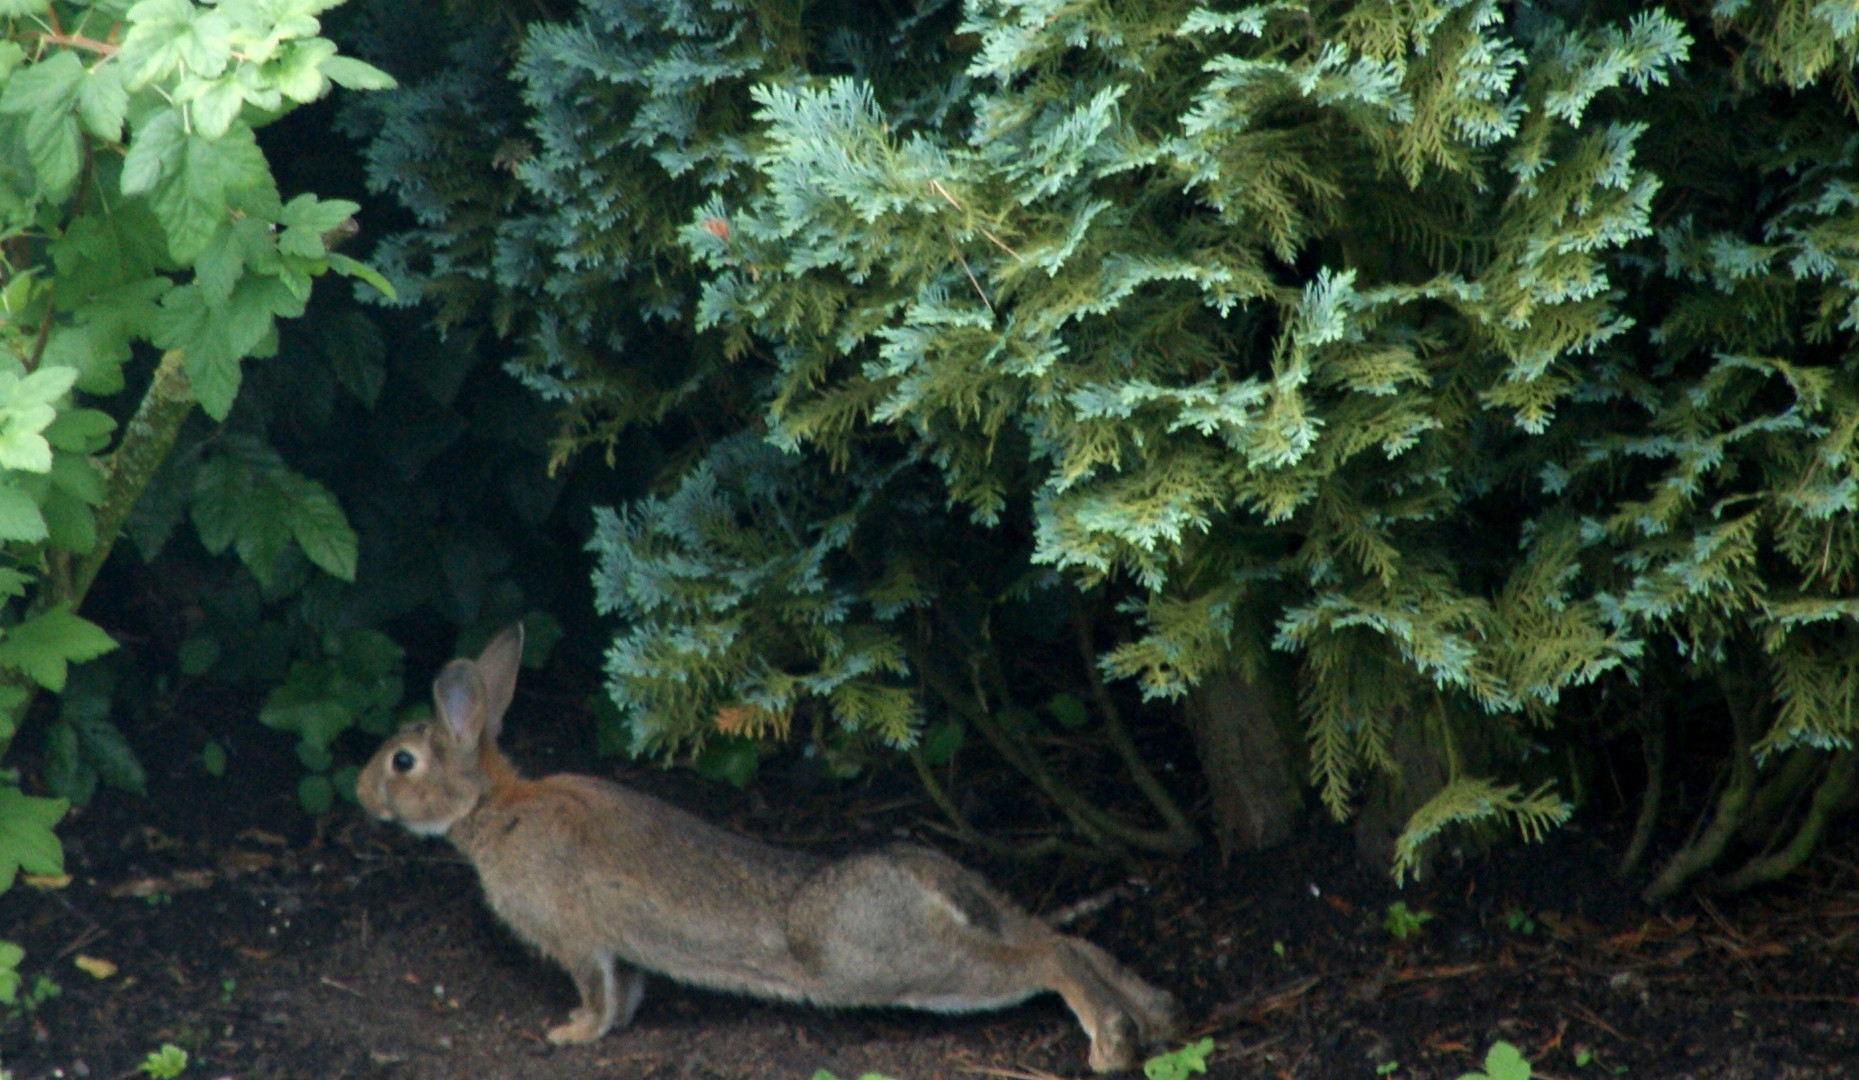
[1489,362]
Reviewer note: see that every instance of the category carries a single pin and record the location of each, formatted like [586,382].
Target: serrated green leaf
[80,431]
[79,477]
[298,74]
[353,345]
[55,145]
[26,838]
[221,262]
[941,743]
[106,751]
[1068,711]
[10,956]
[107,323]
[306,704]
[70,524]
[43,387]
[731,759]
[215,106]
[102,102]
[26,410]
[168,34]
[348,267]
[343,780]
[314,756]
[316,794]
[157,147]
[62,766]
[213,338]
[13,700]
[352,74]
[198,654]
[320,527]
[265,531]
[47,87]
[99,254]
[20,517]
[1505,1062]
[24,449]
[219,507]
[13,584]
[45,645]
[318,215]
[193,186]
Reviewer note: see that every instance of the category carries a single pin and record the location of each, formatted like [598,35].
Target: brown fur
[611,883]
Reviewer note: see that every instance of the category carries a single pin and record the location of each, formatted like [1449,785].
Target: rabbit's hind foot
[583,1026]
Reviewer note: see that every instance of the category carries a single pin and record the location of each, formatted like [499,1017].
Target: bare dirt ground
[270,945]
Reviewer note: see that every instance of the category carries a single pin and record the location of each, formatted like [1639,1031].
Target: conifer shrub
[1487,362]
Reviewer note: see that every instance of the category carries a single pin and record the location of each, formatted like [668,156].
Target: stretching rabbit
[611,883]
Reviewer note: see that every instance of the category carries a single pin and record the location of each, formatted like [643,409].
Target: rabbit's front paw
[583,1026]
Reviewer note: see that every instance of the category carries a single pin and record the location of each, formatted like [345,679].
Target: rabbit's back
[574,863]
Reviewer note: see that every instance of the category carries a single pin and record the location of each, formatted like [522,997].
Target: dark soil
[269,945]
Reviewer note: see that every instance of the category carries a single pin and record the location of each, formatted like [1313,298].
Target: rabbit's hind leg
[608,997]
[1109,1022]
[1157,1016]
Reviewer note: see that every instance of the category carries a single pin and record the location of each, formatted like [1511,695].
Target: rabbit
[610,884]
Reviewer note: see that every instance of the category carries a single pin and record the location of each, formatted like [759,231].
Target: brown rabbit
[611,883]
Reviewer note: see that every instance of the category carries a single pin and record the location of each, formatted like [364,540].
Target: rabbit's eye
[402,761]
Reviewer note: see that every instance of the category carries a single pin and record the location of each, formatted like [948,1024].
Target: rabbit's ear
[497,667]
[459,695]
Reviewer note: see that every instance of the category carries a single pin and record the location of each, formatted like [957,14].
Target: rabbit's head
[433,773]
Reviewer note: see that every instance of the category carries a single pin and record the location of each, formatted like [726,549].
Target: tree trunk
[1247,759]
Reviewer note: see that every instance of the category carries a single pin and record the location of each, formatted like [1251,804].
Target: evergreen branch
[1473,800]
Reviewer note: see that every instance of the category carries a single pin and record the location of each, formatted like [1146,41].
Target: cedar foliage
[1492,361]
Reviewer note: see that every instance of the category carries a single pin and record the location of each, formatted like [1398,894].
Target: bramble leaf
[352,74]
[45,645]
[26,838]
[319,526]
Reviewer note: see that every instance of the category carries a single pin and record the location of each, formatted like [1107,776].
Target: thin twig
[329,982]
[1090,905]
[959,257]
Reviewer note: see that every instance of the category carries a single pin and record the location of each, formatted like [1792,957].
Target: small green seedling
[158,899]
[213,758]
[164,1064]
[1278,949]
[1179,1064]
[1387,1068]
[27,1002]
[1519,921]
[1403,923]
[226,986]
[1502,1062]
